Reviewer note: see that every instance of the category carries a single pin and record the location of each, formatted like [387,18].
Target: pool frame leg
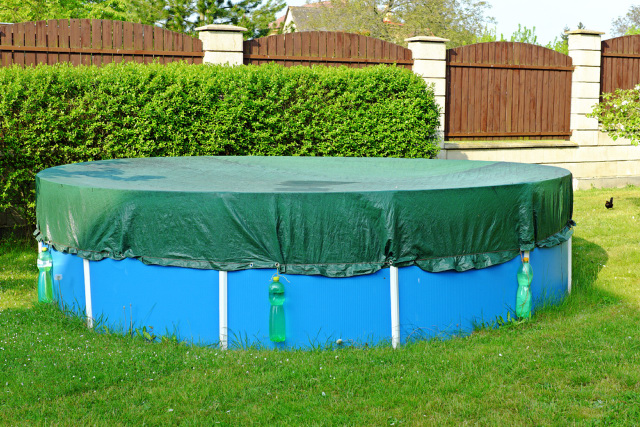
[222,320]
[87,292]
[395,307]
[569,258]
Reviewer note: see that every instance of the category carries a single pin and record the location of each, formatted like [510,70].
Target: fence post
[585,51]
[430,63]
[222,44]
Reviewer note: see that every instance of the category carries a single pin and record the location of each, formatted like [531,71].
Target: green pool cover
[304,215]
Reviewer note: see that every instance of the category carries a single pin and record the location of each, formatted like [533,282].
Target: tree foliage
[528,35]
[561,43]
[176,15]
[394,20]
[627,24]
[619,114]
[255,15]
[35,10]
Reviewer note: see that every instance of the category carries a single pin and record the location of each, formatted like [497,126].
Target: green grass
[578,363]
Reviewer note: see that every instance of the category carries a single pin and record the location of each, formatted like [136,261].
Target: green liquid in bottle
[523,297]
[45,281]
[276,316]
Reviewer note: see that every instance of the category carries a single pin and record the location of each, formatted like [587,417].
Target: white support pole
[222,286]
[87,292]
[569,255]
[39,247]
[395,307]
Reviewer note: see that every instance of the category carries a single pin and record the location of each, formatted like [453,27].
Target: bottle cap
[44,249]
[525,259]
[276,279]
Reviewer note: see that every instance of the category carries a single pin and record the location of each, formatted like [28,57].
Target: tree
[394,20]
[526,35]
[619,114]
[176,15]
[255,15]
[35,10]
[521,35]
[627,24]
[562,45]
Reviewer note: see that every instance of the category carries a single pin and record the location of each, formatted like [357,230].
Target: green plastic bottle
[276,317]
[45,281]
[523,297]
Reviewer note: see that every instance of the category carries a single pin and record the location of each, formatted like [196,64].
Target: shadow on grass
[588,260]
[18,263]
[17,232]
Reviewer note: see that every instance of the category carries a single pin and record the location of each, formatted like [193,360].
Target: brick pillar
[430,63]
[222,44]
[585,51]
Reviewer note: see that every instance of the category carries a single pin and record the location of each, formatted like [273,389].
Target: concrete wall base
[606,182]
[605,165]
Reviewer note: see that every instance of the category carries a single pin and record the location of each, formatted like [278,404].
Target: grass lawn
[574,364]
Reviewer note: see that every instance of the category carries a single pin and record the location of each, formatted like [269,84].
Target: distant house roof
[278,22]
[301,18]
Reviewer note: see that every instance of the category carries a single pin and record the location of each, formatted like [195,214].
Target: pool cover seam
[326,263]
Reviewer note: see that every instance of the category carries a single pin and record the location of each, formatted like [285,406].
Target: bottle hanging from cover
[45,279]
[276,316]
[523,297]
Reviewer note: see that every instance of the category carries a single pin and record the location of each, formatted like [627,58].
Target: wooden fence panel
[325,48]
[107,40]
[30,41]
[63,40]
[177,42]
[620,66]
[97,42]
[52,35]
[6,37]
[74,42]
[167,38]
[41,41]
[18,34]
[187,46]
[85,41]
[507,90]
[127,40]
[138,43]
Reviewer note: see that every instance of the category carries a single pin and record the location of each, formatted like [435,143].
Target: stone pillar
[585,51]
[430,63]
[222,44]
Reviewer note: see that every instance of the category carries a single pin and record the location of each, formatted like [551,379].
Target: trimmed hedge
[52,115]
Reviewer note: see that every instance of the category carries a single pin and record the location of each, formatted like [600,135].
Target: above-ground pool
[368,249]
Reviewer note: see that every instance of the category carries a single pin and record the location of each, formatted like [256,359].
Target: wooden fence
[507,90]
[95,41]
[620,66]
[325,48]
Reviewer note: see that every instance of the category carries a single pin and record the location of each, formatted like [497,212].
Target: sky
[550,16]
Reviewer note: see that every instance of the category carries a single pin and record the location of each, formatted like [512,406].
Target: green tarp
[304,215]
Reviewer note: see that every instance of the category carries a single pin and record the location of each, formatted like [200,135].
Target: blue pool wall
[184,302]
